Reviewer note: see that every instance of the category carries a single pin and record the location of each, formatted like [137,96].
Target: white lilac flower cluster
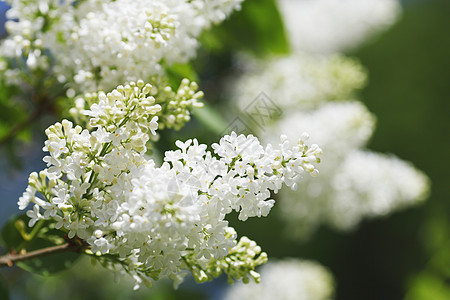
[286,280]
[316,93]
[330,26]
[342,127]
[159,221]
[175,109]
[96,44]
[354,183]
[299,80]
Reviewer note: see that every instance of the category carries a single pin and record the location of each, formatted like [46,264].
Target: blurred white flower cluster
[299,81]
[316,93]
[287,279]
[354,183]
[329,26]
[96,44]
[159,221]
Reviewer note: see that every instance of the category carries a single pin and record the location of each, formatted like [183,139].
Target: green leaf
[16,236]
[11,237]
[210,119]
[257,28]
[428,286]
[180,71]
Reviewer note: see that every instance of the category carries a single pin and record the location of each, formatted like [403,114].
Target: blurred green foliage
[11,112]
[17,236]
[257,29]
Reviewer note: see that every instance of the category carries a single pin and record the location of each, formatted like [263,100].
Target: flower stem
[11,258]
[29,237]
[35,230]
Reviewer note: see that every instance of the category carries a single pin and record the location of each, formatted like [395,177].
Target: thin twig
[11,258]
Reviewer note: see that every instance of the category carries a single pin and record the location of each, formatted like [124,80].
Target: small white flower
[118,136]
[57,147]
[27,197]
[51,209]
[78,189]
[34,215]
[62,222]
[101,244]
[153,125]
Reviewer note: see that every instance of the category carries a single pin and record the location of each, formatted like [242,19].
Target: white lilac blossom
[354,183]
[215,11]
[159,221]
[341,126]
[368,185]
[97,44]
[176,106]
[287,279]
[330,26]
[299,81]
